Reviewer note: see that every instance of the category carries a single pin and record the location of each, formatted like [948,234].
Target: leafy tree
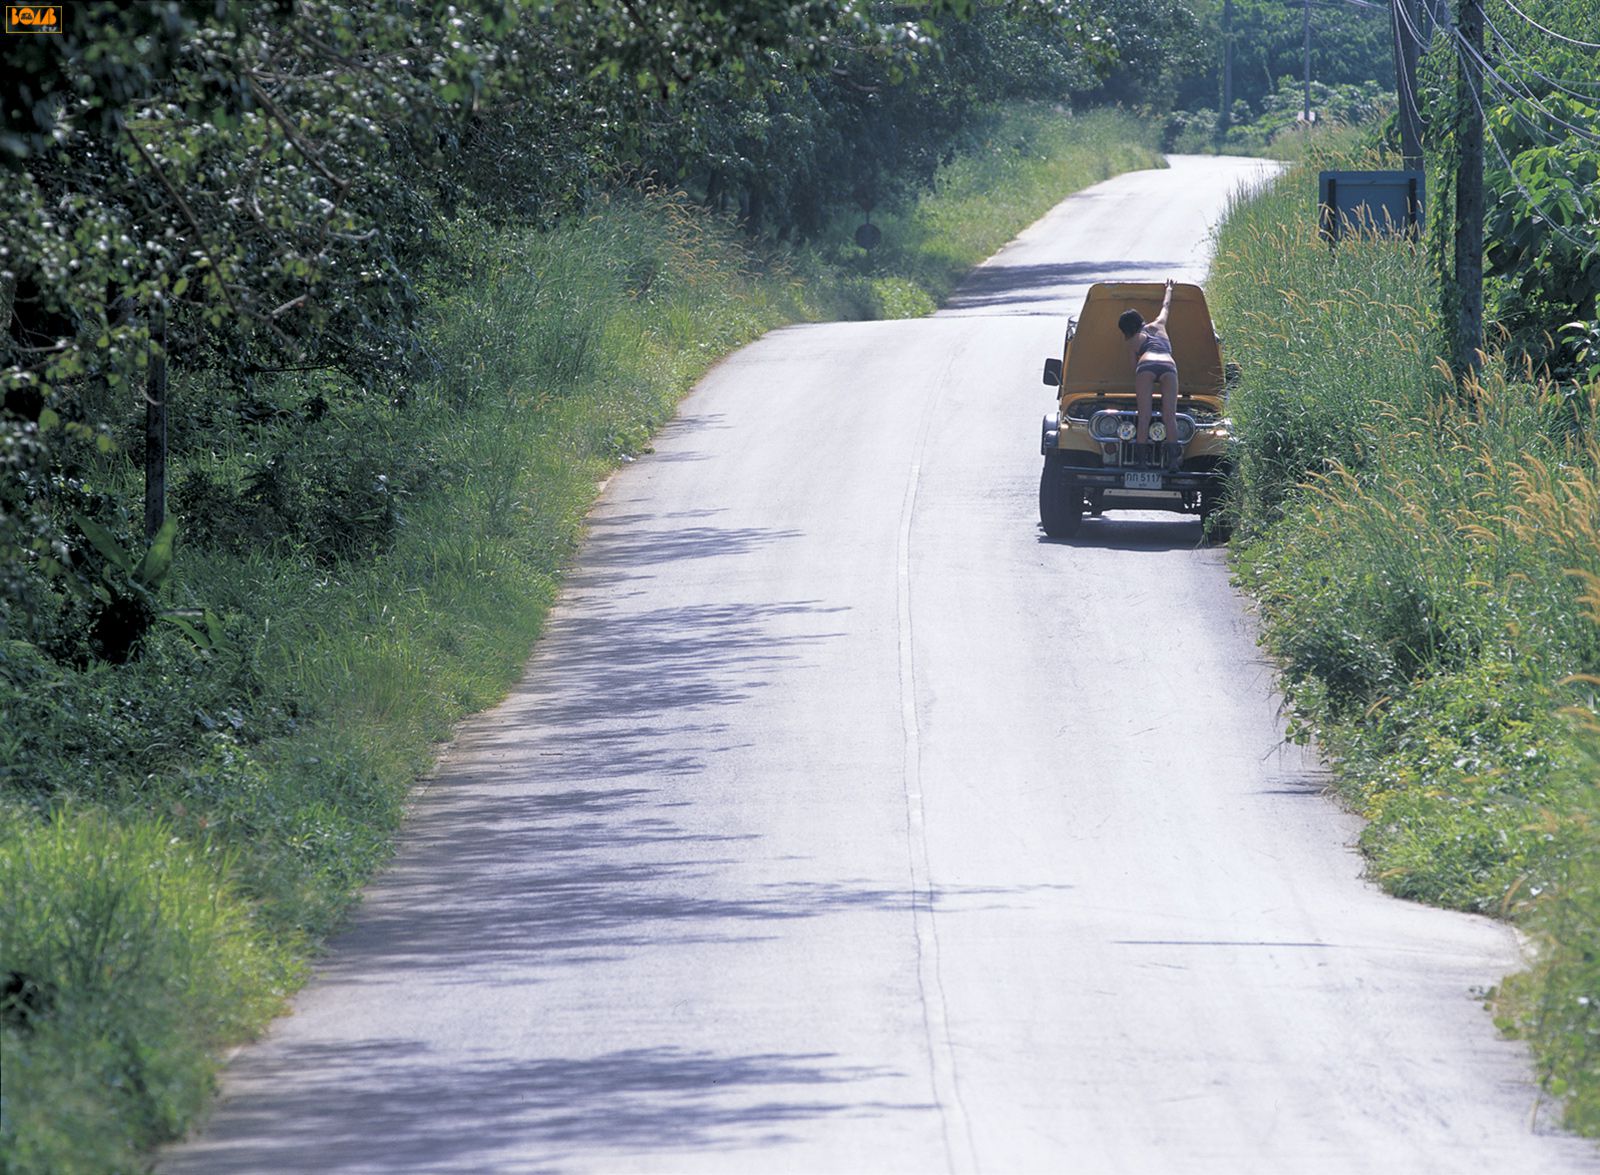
[264,179]
[229,169]
[1543,124]
[1349,45]
[1157,45]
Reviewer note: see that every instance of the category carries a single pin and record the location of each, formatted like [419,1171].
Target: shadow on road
[627,540]
[1022,285]
[453,1117]
[1114,534]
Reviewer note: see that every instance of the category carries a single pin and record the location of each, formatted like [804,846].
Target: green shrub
[126,960]
[1558,1002]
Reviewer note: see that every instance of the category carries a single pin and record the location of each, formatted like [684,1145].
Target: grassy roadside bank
[1427,563]
[1008,178]
[372,561]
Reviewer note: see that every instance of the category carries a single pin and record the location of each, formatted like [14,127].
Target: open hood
[1096,359]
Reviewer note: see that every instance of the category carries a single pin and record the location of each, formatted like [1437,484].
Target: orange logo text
[33,18]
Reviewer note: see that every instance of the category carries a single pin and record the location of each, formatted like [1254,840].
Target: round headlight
[1158,431]
[1127,430]
[1103,426]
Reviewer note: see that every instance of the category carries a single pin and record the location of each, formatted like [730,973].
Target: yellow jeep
[1092,460]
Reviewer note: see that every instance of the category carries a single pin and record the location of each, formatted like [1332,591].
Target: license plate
[1141,481]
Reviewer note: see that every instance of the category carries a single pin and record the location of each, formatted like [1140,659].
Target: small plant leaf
[103,541]
[184,625]
[157,561]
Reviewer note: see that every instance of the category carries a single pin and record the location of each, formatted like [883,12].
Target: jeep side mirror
[1052,372]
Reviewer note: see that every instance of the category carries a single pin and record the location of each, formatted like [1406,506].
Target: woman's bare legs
[1169,413]
[1168,380]
[1144,386]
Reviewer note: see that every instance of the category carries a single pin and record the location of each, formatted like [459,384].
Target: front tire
[1060,499]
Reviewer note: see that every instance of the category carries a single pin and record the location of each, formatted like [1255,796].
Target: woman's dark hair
[1130,323]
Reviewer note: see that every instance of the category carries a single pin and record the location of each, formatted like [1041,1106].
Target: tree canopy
[265,181]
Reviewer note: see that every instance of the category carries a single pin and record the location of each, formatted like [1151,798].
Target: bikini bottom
[1158,367]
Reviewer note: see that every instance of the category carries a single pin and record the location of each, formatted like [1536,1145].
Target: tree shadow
[644,539]
[572,827]
[1024,286]
[438,1114]
[1314,786]
[536,882]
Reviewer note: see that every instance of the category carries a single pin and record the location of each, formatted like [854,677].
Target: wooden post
[1225,116]
[1467,330]
[1308,65]
[1403,17]
[155,426]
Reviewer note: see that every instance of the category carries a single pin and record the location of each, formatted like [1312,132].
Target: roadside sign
[1385,202]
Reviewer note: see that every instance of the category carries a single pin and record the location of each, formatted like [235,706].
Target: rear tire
[1060,499]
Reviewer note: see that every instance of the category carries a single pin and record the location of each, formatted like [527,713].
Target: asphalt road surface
[845,824]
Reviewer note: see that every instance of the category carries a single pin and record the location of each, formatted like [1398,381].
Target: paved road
[843,824]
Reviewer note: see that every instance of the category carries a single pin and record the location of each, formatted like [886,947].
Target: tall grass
[1427,557]
[1335,344]
[125,966]
[379,558]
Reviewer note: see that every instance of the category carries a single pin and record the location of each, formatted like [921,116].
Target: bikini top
[1155,339]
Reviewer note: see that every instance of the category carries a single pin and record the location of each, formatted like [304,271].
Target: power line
[1477,100]
[1463,47]
[1408,119]
[1512,49]
[1550,32]
[1506,87]
[1406,74]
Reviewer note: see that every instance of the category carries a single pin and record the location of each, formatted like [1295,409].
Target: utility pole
[1225,119]
[1403,18]
[1467,330]
[1307,113]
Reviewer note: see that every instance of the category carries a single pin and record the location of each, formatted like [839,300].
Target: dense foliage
[1350,52]
[252,190]
[1349,45]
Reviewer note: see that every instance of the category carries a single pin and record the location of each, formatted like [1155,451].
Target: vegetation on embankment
[178,829]
[1427,560]
[1010,174]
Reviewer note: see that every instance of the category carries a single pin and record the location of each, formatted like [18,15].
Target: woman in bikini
[1153,366]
